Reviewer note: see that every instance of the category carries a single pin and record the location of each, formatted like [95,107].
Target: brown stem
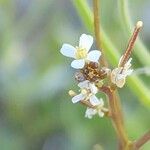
[96,8]
[132,40]
[104,63]
[118,106]
[141,141]
[116,116]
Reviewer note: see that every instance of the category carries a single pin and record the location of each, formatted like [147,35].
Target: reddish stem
[116,116]
[132,40]
[141,141]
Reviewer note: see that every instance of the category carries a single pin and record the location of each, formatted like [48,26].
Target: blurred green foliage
[35,111]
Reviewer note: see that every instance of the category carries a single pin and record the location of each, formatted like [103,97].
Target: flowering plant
[94,75]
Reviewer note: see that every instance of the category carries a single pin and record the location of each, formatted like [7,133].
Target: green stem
[97,30]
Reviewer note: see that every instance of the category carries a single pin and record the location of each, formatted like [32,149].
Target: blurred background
[36,112]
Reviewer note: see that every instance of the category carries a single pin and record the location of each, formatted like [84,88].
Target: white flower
[80,53]
[88,91]
[90,112]
[118,75]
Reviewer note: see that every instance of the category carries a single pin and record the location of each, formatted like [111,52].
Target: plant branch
[116,116]
[142,53]
[131,43]
[97,30]
[141,141]
[114,101]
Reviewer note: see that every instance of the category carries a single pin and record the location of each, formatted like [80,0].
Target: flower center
[84,91]
[81,53]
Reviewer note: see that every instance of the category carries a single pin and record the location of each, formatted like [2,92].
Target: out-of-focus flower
[88,91]
[81,53]
[118,75]
[90,112]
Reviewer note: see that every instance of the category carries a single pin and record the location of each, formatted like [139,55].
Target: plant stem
[134,82]
[141,141]
[116,117]
[97,30]
[142,52]
[131,43]
[114,102]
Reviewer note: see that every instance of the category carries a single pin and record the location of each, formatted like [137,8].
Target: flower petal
[120,83]
[128,63]
[86,41]
[120,76]
[100,113]
[114,75]
[90,113]
[94,100]
[93,88]
[78,98]
[78,64]
[120,60]
[94,55]
[84,84]
[68,50]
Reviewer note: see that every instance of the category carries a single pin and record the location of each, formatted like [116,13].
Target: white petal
[93,88]
[78,64]
[120,83]
[94,55]
[78,98]
[129,72]
[90,113]
[120,60]
[120,76]
[84,84]
[94,100]
[128,63]
[101,114]
[68,50]
[114,75]
[86,41]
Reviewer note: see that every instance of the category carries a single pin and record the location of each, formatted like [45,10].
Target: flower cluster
[118,75]
[90,75]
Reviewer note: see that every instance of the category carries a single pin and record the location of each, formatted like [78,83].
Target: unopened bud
[71,93]
[139,24]
[79,76]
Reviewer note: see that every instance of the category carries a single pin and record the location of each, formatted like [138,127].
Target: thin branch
[116,116]
[97,30]
[132,40]
[140,142]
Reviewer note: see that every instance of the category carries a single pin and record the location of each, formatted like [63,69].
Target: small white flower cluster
[88,90]
[82,56]
[118,75]
[88,93]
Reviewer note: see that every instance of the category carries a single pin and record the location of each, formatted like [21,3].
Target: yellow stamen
[84,91]
[81,53]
